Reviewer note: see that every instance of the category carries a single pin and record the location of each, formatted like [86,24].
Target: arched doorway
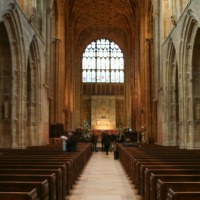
[173,99]
[196,88]
[33,98]
[5,88]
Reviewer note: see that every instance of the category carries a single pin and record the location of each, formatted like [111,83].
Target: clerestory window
[103,62]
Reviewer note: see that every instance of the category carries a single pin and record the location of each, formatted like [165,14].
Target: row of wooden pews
[42,172]
[162,173]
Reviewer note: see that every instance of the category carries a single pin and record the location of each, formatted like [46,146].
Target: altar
[103,113]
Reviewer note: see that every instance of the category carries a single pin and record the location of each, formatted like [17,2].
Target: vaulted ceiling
[114,19]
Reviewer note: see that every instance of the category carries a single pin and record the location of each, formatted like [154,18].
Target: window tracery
[103,62]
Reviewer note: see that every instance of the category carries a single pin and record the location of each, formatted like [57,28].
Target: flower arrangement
[86,126]
[86,131]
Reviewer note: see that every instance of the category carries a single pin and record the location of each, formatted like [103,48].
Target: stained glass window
[103,62]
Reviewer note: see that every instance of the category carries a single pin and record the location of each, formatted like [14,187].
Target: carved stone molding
[189,46]
[189,122]
[103,112]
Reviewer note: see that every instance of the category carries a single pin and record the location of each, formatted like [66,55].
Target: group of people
[108,141]
[69,141]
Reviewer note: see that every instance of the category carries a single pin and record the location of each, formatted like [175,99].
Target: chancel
[125,72]
[103,113]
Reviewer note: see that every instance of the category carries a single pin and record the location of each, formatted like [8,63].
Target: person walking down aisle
[102,141]
[113,139]
[94,139]
[107,143]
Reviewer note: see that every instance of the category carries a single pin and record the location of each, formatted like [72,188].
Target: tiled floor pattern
[103,179]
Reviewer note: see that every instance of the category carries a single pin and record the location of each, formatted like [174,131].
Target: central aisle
[103,179]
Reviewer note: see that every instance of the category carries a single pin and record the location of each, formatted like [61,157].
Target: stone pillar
[55,83]
[149,88]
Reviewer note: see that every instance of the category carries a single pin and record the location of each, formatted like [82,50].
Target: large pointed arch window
[103,62]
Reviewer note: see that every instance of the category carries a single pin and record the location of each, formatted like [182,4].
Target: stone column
[55,84]
[148,88]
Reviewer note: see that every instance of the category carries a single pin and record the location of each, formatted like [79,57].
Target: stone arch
[196,88]
[188,35]
[33,98]
[11,26]
[5,88]
[172,96]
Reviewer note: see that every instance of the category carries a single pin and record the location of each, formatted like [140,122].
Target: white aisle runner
[103,179]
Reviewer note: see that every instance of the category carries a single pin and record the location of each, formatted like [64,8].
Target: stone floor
[103,179]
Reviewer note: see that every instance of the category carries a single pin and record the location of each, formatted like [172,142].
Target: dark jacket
[71,143]
[94,139]
[107,139]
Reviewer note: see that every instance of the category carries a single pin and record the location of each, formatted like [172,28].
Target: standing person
[64,141]
[102,141]
[94,142]
[113,142]
[121,138]
[71,141]
[107,143]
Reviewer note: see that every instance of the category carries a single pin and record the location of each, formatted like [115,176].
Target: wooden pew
[137,162]
[45,174]
[158,159]
[164,171]
[163,187]
[72,161]
[34,165]
[57,171]
[20,194]
[39,158]
[42,188]
[174,177]
[174,194]
[130,156]
[29,178]
[51,163]
[143,184]
[141,165]
[135,159]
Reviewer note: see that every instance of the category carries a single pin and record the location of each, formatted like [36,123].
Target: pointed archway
[196,88]
[188,98]
[173,96]
[33,98]
[5,88]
